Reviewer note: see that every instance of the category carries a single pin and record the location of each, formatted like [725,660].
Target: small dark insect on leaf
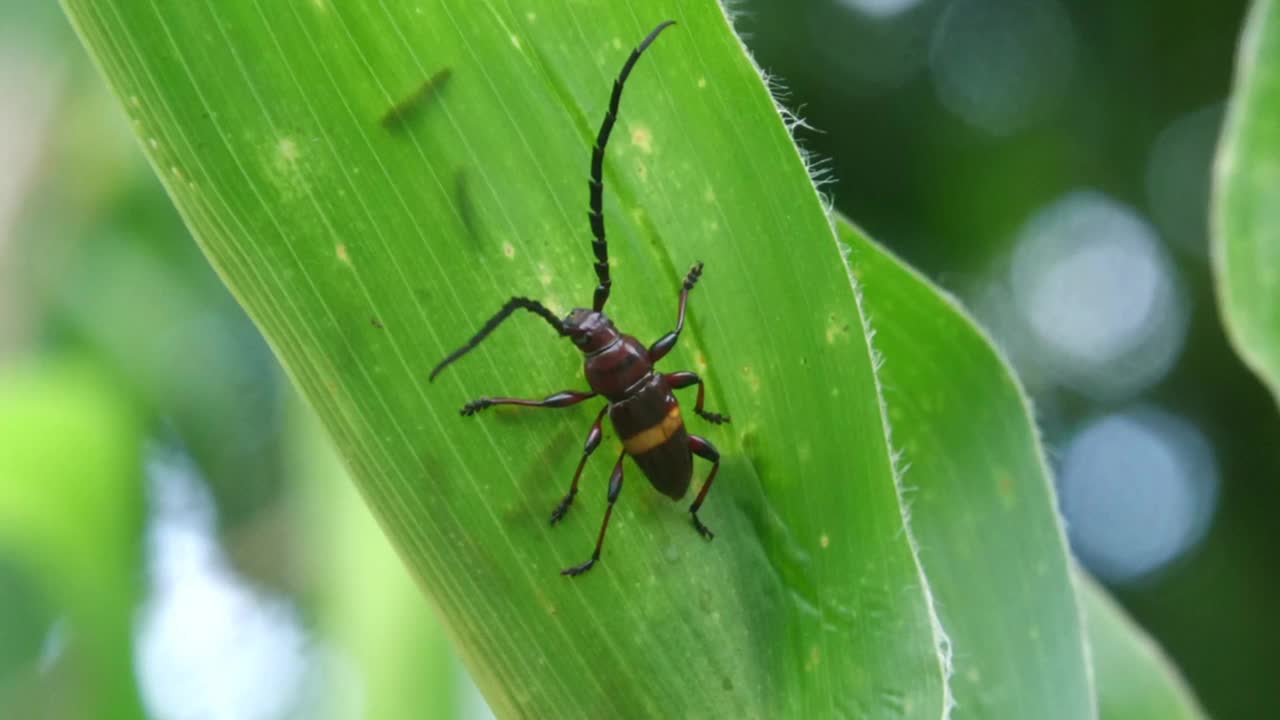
[403,112]
[375,322]
[641,399]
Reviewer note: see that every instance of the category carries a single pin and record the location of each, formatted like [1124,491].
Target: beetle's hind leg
[562,399]
[615,489]
[702,448]
[680,380]
[593,442]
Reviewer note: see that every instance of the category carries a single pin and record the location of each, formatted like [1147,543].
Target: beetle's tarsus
[475,406]
[703,530]
[562,508]
[577,570]
[715,418]
[691,279]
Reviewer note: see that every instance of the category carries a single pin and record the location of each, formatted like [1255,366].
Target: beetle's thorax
[616,368]
[613,362]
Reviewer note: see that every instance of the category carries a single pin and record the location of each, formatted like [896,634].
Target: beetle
[641,403]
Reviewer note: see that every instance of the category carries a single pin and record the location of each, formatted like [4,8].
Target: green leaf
[1135,679]
[365,253]
[982,505]
[983,510]
[1246,204]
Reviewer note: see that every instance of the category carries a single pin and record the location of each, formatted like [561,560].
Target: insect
[642,405]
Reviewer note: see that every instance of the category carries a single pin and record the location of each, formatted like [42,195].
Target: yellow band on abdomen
[650,438]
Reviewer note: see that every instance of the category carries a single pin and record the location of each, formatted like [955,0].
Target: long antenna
[600,245]
[515,303]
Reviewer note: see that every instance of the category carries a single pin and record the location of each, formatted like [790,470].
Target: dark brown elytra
[641,404]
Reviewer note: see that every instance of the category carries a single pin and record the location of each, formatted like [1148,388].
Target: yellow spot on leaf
[824,541]
[702,83]
[341,250]
[642,138]
[814,658]
[288,150]
[836,329]
[509,250]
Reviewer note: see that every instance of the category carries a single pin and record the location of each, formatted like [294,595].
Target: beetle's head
[590,330]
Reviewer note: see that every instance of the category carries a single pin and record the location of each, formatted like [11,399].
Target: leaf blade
[982,505]
[982,499]
[1246,198]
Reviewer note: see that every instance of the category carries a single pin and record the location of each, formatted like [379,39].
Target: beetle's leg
[684,379]
[615,487]
[659,349]
[593,442]
[562,399]
[705,450]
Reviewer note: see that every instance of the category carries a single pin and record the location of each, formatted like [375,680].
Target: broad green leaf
[983,510]
[982,506]
[365,253]
[1135,679]
[70,526]
[1246,205]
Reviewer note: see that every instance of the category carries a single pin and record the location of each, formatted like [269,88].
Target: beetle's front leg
[680,380]
[562,399]
[664,344]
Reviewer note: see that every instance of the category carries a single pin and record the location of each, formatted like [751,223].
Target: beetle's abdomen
[653,433]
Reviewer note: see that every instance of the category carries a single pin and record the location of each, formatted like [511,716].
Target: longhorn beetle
[641,405]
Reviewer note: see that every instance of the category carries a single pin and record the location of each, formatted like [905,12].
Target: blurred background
[1046,161]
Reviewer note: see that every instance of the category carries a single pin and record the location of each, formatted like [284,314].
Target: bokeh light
[1138,490]
[999,66]
[872,45]
[208,644]
[1102,304]
[880,8]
